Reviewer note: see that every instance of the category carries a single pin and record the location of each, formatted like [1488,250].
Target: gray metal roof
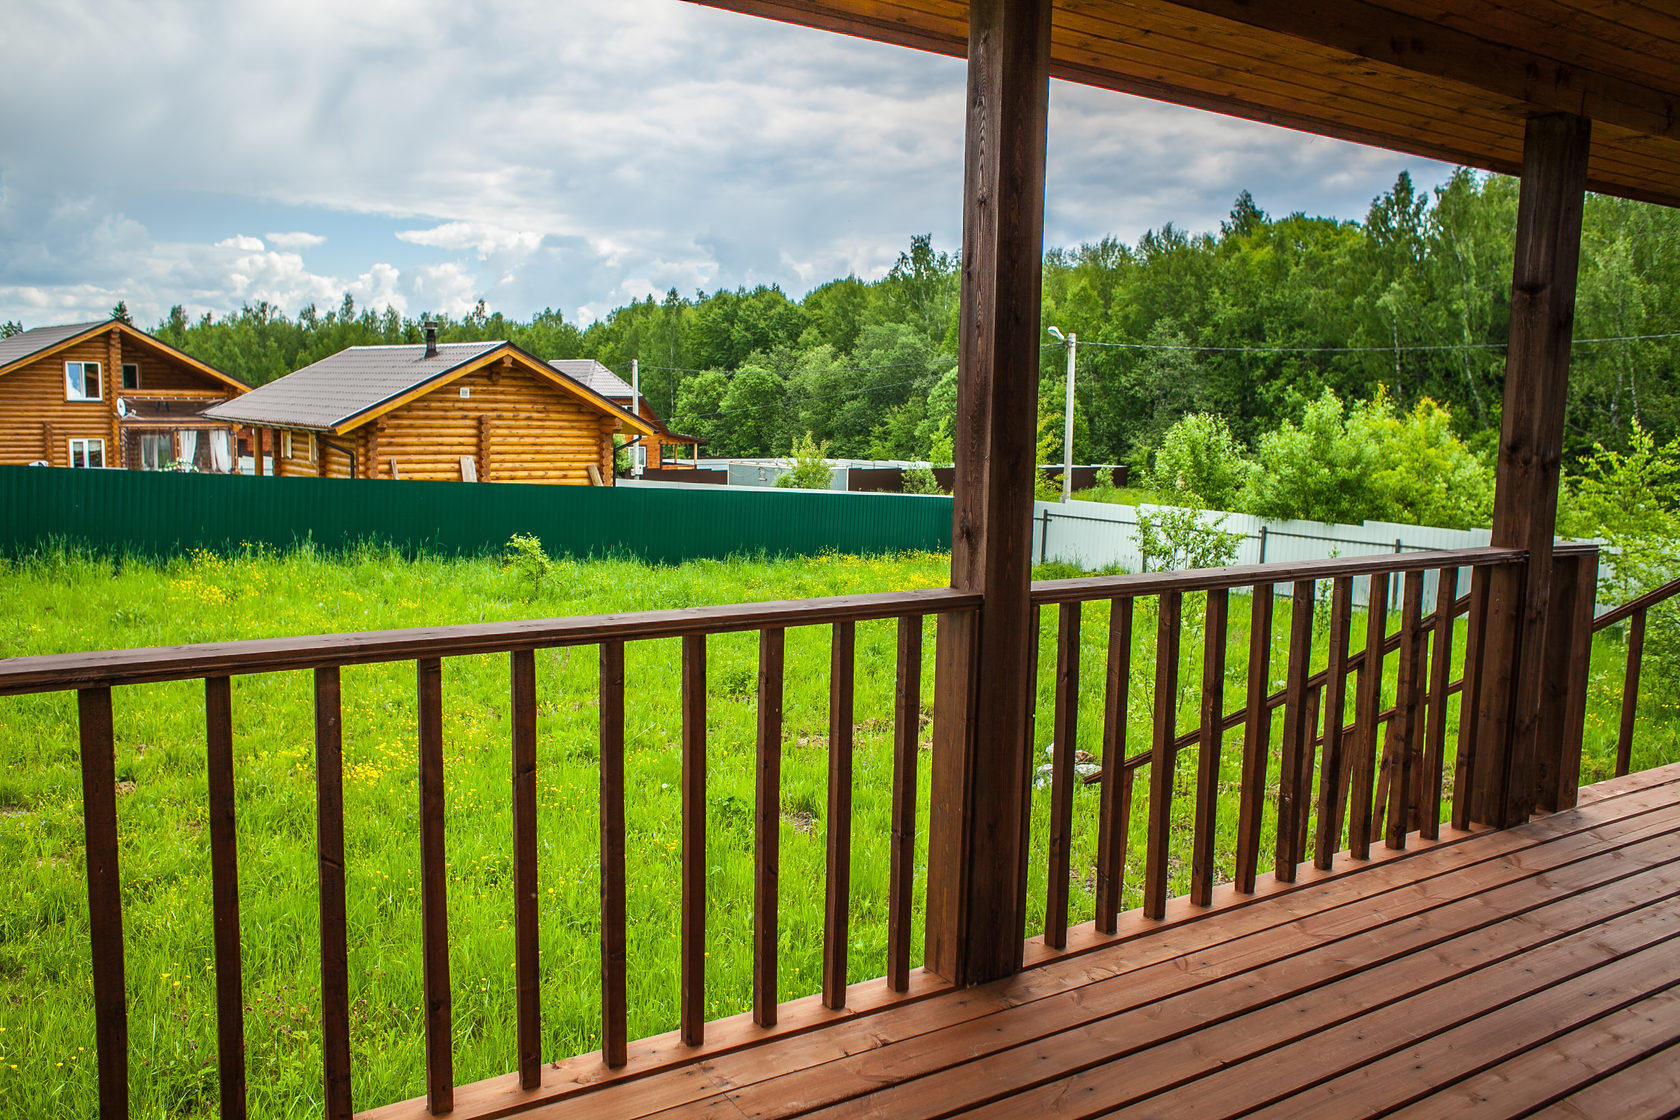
[594,375]
[21,346]
[334,389]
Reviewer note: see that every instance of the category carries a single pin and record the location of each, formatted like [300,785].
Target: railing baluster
[1334,769]
[434,891]
[1405,747]
[1114,817]
[767,824]
[1630,692]
[224,895]
[1257,739]
[1435,729]
[693,1014]
[1292,785]
[522,702]
[1207,770]
[1309,754]
[99,812]
[329,857]
[907,722]
[837,907]
[1367,710]
[614,955]
[1469,699]
[1162,756]
[1061,777]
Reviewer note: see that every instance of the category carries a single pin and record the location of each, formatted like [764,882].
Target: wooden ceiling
[1450,79]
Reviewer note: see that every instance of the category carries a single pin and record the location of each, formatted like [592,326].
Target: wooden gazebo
[1386,960]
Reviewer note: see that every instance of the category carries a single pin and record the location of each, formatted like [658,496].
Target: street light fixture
[1071,342]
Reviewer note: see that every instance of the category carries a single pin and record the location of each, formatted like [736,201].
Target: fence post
[1263,532]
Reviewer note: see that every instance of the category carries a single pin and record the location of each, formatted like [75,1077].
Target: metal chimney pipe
[431,339]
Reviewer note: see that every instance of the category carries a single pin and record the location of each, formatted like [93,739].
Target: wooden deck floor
[1533,972]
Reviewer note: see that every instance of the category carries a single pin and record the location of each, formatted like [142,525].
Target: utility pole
[639,456]
[1071,342]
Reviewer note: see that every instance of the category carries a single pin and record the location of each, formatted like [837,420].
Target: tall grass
[61,601]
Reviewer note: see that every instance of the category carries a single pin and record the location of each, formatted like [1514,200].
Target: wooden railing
[1341,788]
[1634,614]
[1361,798]
[94,675]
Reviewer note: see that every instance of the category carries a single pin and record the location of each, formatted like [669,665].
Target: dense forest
[1250,323]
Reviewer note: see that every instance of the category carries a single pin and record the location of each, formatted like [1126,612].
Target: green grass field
[60,603]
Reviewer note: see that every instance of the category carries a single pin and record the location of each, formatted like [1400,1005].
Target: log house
[107,395]
[463,411]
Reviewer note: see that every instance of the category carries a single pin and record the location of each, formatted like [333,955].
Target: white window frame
[162,448]
[86,446]
[286,444]
[98,381]
[135,366]
[313,450]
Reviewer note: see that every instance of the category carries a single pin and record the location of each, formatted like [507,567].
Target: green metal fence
[161,515]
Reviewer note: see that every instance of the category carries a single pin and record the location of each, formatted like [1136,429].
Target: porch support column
[1509,732]
[981,754]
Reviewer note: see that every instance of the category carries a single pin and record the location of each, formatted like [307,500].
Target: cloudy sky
[538,153]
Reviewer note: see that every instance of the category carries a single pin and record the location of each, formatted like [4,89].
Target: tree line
[1252,323]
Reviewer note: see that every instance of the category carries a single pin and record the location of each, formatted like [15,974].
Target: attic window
[131,375]
[81,381]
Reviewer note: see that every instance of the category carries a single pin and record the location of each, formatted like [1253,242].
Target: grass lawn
[61,603]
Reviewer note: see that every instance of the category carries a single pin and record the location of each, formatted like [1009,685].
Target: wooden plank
[1469,706]
[522,704]
[1435,728]
[1207,768]
[1631,809]
[1311,739]
[1114,815]
[329,857]
[1163,758]
[979,816]
[1630,693]
[1367,709]
[838,892]
[614,954]
[1333,774]
[901,885]
[1257,736]
[1061,780]
[1293,790]
[1313,981]
[1548,242]
[1404,762]
[99,822]
[1561,1065]
[693,937]
[58,672]
[1642,1090]
[224,898]
[767,824]
[434,892]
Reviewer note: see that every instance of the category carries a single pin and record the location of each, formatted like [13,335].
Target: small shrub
[1202,461]
[1173,538]
[921,480]
[527,560]
[810,466]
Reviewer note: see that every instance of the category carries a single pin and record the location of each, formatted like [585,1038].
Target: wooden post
[978,816]
[1530,449]
[257,451]
[1557,763]
[112,388]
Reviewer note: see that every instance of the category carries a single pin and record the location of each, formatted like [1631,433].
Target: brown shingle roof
[594,375]
[30,343]
[326,394]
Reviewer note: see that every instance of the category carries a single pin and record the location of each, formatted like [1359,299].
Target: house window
[157,449]
[312,451]
[285,445]
[87,453]
[131,375]
[81,381]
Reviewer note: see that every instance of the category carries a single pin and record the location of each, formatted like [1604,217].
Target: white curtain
[221,451]
[189,446]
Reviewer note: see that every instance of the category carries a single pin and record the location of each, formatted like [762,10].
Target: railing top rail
[1644,602]
[1245,575]
[60,672]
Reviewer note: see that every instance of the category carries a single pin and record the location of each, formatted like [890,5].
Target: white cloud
[296,240]
[545,154]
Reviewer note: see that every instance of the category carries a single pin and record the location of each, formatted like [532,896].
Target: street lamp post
[1071,342]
